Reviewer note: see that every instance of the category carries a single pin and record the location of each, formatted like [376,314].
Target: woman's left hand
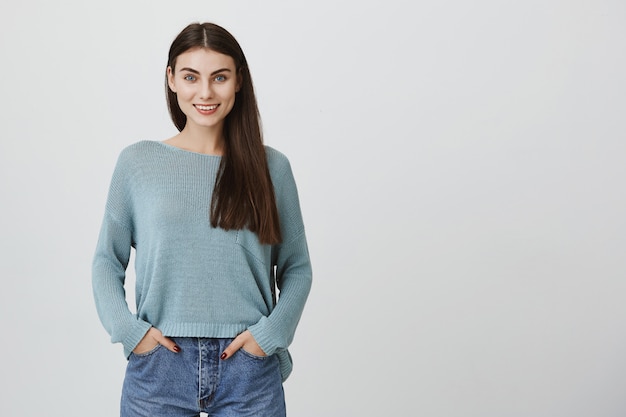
[244,341]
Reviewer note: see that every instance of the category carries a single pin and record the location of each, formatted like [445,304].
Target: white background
[461,167]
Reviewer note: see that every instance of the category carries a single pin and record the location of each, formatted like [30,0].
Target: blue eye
[220,78]
[190,78]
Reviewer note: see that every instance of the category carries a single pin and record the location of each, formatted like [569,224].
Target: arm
[293,271]
[110,261]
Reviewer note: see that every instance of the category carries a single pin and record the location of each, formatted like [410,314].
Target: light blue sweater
[194,280]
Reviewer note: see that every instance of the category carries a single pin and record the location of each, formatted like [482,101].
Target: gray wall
[461,168]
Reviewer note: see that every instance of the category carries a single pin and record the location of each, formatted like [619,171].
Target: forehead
[204,60]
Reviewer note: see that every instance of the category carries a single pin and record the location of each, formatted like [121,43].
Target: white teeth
[206,108]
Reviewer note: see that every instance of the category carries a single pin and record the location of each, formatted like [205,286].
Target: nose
[206,90]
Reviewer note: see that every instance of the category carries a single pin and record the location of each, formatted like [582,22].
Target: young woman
[215,221]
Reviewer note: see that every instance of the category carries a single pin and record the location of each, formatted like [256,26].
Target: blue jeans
[161,383]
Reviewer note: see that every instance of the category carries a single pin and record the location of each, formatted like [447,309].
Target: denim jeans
[161,383]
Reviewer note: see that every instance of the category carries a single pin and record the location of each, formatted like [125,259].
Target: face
[205,83]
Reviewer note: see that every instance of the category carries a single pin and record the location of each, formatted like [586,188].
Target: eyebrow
[198,72]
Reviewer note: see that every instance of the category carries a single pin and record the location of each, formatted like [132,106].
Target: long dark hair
[244,194]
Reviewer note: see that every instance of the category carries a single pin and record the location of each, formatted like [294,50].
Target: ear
[170,79]
[239,81]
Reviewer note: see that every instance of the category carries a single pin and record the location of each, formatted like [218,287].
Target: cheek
[184,93]
[229,94]
[231,101]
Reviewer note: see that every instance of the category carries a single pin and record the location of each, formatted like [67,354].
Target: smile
[206,107]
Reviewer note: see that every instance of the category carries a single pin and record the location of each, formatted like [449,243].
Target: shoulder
[277,162]
[138,150]
[138,154]
[281,173]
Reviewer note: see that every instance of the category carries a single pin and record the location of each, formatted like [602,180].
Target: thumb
[233,347]
[165,341]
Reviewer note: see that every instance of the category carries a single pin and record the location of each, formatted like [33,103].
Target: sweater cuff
[265,336]
[134,336]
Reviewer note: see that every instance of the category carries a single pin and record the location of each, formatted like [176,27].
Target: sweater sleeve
[110,262]
[293,271]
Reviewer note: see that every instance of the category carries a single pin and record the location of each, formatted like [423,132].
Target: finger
[166,342]
[233,347]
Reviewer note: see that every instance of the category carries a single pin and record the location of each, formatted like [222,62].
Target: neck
[205,140]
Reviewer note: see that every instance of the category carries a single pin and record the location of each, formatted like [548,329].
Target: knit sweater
[194,280]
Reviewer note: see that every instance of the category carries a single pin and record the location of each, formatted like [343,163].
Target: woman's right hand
[153,338]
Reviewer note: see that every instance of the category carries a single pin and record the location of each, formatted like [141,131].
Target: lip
[206,109]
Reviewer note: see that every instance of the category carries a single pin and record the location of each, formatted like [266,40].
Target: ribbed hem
[212,330]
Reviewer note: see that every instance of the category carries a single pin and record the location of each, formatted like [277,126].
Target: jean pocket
[252,355]
[148,353]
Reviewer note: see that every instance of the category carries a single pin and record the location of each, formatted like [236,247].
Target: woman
[215,221]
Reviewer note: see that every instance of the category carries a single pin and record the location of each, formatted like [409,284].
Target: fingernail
[223,356]
[176,349]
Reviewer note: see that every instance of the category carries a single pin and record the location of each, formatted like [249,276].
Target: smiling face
[205,83]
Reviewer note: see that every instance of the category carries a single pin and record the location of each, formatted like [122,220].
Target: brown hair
[244,194]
